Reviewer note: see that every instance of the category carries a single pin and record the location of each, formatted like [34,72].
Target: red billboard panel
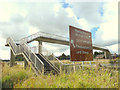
[80,45]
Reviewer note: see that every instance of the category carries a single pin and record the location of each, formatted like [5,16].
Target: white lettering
[83,47]
[78,52]
[82,41]
[82,52]
[81,32]
[85,52]
[82,36]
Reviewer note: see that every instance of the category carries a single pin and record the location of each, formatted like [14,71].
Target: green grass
[17,77]
[86,78]
[13,75]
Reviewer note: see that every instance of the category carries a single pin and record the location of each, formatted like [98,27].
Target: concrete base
[12,59]
[107,55]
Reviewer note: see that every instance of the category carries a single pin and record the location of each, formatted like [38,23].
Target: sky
[19,19]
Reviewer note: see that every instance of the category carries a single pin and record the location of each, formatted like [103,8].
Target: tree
[97,53]
[63,56]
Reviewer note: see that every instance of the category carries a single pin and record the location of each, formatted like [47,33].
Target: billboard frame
[87,51]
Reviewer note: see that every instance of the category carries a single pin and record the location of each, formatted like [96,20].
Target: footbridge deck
[52,38]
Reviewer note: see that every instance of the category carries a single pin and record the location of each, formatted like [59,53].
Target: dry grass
[13,75]
[95,61]
[86,77]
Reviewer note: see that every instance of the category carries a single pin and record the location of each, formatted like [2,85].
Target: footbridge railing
[42,34]
[52,36]
[27,53]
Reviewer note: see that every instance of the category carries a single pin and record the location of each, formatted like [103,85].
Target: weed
[86,77]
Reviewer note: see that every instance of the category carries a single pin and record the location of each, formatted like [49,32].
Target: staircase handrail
[37,62]
[33,53]
[22,49]
[46,51]
[51,64]
[12,43]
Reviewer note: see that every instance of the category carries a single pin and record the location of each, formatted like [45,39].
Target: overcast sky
[23,18]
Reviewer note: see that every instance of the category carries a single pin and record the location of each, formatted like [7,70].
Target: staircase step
[48,68]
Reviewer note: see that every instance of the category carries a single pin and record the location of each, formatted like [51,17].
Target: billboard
[80,44]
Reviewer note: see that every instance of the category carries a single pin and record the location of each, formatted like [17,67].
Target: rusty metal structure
[80,45]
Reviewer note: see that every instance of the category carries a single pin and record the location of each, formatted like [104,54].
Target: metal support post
[12,59]
[25,64]
[39,46]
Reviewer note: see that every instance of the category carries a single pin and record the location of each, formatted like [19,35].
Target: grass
[13,75]
[17,77]
[86,78]
[101,61]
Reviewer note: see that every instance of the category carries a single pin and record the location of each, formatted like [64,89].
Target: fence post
[90,63]
[74,66]
[60,68]
[82,62]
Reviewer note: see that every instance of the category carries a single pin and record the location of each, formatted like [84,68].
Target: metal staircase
[49,67]
[38,62]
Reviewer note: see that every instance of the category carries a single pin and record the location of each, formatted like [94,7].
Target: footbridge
[38,61]
[52,38]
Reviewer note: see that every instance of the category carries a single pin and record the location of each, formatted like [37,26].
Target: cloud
[12,21]
[84,24]
[57,49]
[4,51]
[99,14]
[103,15]
[108,31]
[46,19]
[22,19]
[114,48]
[89,11]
